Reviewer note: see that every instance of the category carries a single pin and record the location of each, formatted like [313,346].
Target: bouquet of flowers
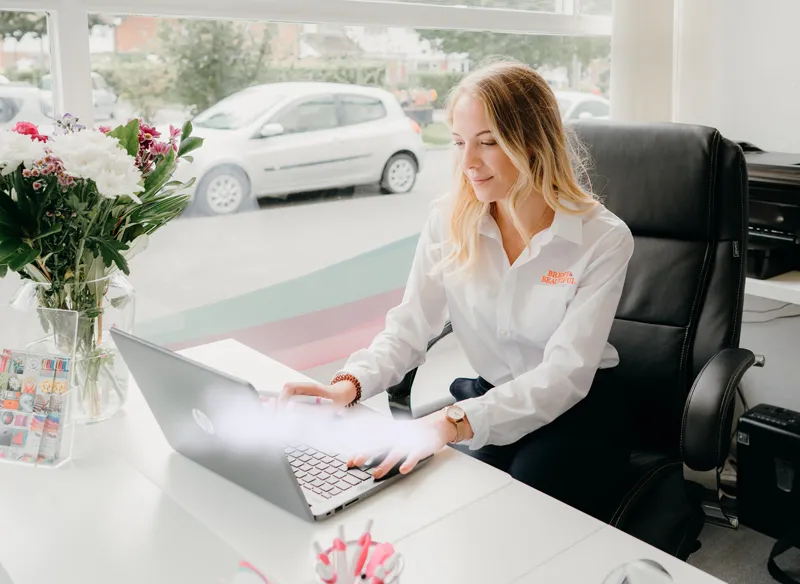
[75,207]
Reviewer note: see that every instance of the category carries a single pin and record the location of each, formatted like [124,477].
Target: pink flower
[104,129]
[160,148]
[174,133]
[29,129]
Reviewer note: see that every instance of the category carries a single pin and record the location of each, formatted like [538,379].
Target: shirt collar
[566,225]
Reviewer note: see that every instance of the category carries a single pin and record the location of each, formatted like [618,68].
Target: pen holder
[392,578]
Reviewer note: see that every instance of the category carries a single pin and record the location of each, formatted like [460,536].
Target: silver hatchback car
[281,138]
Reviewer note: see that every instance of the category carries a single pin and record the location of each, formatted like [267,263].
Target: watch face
[455,413]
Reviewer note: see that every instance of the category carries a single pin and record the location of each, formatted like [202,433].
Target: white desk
[457,519]
[593,559]
[269,537]
[496,539]
[783,288]
[99,521]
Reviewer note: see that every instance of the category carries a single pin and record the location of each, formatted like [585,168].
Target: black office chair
[682,190]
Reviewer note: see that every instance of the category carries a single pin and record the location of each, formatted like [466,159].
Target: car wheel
[223,191]
[399,174]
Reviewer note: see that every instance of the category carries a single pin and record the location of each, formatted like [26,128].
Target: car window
[564,105]
[358,109]
[238,110]
[597,109]
[309,115]
[98,82]
[47,83]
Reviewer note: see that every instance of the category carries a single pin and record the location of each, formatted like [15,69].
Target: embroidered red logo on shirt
[558,278]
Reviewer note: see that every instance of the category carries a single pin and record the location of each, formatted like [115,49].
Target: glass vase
[99,376]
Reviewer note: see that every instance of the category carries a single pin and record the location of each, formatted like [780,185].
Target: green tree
[212,59]
[535,50]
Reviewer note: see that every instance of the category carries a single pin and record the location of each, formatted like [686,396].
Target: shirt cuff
[476,414]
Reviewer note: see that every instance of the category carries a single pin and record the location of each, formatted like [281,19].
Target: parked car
[22,102]
[575,105]
[281,138]
[104,99]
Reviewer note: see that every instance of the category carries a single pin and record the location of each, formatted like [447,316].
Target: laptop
[218,421]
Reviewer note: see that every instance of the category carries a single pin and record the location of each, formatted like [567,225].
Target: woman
[529,267]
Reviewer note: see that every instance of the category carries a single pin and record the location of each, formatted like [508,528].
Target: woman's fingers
[411,461]
[388,463]
[302,388]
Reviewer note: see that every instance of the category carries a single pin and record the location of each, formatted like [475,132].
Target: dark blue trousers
[581,458]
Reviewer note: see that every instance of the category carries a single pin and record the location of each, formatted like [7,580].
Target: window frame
[69,35]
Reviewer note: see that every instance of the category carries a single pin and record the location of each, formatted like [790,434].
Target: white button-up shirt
[537,330]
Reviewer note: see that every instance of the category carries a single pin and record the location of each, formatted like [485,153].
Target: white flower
[16,149]
[90,154]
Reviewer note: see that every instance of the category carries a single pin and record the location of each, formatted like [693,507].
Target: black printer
[774,200]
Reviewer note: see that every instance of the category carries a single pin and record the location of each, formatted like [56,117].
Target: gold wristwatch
[458,417]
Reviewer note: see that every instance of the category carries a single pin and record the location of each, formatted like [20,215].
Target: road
[197,261]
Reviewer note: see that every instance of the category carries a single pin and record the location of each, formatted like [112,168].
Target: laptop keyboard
[324,474]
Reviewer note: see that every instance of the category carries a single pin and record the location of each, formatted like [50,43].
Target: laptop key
[305,457]
[317,483]
[352,480]
[323,476]
[306,467]
[359,474]
[334,491]
[326,487]
[300,474]
[318,455]
[339,474]
[314,471]
[343,485]
[325,495]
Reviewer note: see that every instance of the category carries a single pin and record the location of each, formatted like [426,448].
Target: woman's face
[481,159]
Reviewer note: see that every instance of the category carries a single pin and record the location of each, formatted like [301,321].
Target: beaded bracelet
[354,381]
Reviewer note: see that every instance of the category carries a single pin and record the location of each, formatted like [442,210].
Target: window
[24,60]
[591,109]
[299,241]
[358,109]
[310,115]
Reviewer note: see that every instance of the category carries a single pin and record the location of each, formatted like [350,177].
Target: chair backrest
[682,190]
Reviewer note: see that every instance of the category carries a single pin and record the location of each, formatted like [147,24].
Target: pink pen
[365,542]
[380,554]
[382,571]
[340,555]
[324,567]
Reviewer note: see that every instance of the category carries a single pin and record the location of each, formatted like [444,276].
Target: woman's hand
[341,393]
[414,441]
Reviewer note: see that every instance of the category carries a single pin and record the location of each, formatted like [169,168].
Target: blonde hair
[525,121]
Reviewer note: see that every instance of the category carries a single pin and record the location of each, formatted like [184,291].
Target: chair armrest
[708,413]
[400,394]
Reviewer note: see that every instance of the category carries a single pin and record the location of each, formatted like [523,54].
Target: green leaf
[9,213]
[161,174]
[186,130]
[128,136]
[110,250]
[189,158]
[50,231]
[3,270]
[23,258]
[8,248]
[189,145]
